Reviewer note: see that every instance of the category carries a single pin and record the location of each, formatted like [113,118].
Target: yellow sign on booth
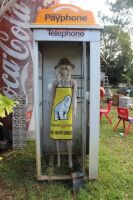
[65,14]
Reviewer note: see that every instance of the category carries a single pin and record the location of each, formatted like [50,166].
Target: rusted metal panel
[19,123]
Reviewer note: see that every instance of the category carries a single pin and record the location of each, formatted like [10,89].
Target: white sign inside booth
[66,35]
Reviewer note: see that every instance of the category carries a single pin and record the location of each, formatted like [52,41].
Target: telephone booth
[70,32]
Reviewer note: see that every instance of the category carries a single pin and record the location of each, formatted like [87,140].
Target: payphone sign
[63,33]
[55,34]
[65,14]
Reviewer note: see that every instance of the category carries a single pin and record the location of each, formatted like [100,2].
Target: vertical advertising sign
[16,52]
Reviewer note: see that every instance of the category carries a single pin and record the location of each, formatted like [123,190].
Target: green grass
[115,180]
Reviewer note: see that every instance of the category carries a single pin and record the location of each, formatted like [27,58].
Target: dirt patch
[5,194]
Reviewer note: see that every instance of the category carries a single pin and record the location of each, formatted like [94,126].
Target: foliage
[6,106]
[117,52]
[122,12]
[116,42]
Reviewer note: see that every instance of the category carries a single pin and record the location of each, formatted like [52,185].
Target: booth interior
[49,54]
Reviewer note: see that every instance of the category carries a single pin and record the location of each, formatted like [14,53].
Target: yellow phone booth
[67,31]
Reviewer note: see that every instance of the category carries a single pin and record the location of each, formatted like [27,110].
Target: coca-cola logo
[20,48]
[16,52]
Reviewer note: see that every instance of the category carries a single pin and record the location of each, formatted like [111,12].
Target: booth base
[52,178]
[57,178]
[50,170]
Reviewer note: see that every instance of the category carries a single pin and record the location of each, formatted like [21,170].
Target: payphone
[67,31]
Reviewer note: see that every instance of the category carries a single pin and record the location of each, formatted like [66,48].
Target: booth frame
[93,37]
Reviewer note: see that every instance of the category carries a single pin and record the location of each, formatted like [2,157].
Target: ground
[115,180]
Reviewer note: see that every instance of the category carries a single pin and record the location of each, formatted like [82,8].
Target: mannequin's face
[64,69]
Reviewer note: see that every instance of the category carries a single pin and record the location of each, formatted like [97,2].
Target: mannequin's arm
[74,97]
[54,85]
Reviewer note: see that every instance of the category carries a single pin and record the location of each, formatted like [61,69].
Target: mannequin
[63,109]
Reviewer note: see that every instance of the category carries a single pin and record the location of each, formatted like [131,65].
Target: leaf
[1,124]
[6,106]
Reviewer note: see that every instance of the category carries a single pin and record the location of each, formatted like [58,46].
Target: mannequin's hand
[74,113]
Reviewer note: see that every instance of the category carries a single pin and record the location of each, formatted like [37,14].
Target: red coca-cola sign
[16,52]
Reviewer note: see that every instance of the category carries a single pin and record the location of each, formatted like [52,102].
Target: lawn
[115,181]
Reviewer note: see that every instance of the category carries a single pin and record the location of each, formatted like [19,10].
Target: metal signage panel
[19,123]
[66,35]
[64,14]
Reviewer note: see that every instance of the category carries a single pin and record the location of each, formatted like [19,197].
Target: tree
[121,13]
[116,42]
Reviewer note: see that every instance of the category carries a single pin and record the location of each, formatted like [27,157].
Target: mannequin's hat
[64,61]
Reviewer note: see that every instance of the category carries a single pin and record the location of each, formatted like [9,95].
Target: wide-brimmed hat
[64,61]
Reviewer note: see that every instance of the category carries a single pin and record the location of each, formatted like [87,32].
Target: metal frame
[94,108]
[94,97]
[37,26]
[84,109]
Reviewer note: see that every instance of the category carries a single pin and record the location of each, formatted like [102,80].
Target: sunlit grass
[115,180]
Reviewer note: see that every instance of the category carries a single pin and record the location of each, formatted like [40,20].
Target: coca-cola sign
[16,52]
